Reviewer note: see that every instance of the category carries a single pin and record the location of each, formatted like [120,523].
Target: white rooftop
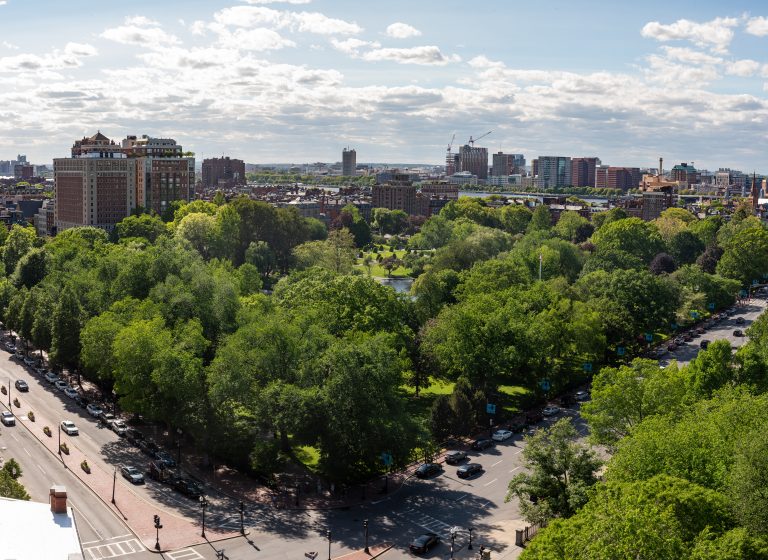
[31,531]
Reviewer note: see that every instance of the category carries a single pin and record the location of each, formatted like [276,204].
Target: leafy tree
[711,369]
[708,260]
[631,235]
[559,473]
[748,482]
[31,268]
[604,218]
[514,218]
[260,255]
[201,231]
[337,253]
[541,220]
[736,544]
[745,255]
[393,222]
[685,247]
[441,417]
[145,226]
[707,229]
[19,241]
[573,227]
[316,230]
[663,263]
[11,488]
[65,330]
[351,219]
[196,206]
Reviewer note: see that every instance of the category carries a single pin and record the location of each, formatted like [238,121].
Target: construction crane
[449,157]
[472,141]
[450,144]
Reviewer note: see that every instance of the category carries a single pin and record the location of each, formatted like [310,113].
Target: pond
[400,285]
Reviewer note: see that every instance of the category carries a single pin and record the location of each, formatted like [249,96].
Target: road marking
[491,482]
[27,452]
[461,497]
[112,550]
[513,470]
[184,554]
[43,470]
[74,507]
[497,462]
[517,452]
[14,436]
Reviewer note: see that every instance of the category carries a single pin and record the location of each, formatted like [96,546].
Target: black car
[21,385]
[480,444]
[134,435]
[166,458]
[428,469]
[739,320]
[148,446]
[704,344]
[188,487]
[424,542]
[470,469]
[455,457]
[82,402]
[738,332]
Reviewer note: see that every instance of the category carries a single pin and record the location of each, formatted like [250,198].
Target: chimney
[661,167]
[57,496]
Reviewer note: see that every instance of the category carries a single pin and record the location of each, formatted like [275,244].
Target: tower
[348,162]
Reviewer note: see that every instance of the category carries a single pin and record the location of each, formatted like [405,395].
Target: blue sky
[297,81]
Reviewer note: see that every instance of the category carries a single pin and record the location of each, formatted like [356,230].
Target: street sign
[545,385]
[587,366]
[711,306]
[674,326]
[743,293]
[386,458]
[649,337]
[620,350]
[695,314]
[490,408]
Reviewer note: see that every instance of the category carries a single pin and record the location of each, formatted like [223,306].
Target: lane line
[491,482]
[83,516]
[513,470]
[41,468]
[26,451]
[497,462]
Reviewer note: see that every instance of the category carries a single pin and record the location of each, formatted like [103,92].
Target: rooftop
[31,531]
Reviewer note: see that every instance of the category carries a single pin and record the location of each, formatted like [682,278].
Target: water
[400,285]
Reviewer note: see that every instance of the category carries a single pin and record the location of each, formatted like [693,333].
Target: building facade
[348,163]
[554,171]
[583,171]
[394,196]
[623,178]
[474,160]
[223,171]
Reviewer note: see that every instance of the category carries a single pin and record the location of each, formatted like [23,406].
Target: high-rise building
[474,160]
[223,172]
[686,174]
[396,195]
[623,178]
[583,171]
[348,163]
[554,171]
[103,182]
[503,165]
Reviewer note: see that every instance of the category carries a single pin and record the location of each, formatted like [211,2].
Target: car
[165,458]
[61,384]
[188,487]
[700,330]
[480,444]
[69,427]
[426,470]
[738,332]
[81,401]
[134,435]
[663,364]
[687,337]
[7,418]
[739,320]
[672,347]
[581,395]
[71,392]
[51,377]
[40,370]
[94,410]
[423,543]
[550,410]
[501,435]
[455,457]
[132,473]
[470,469]
[703,344]
[119,427]
[30,361]
[106,418]
[21,385]
[148,446]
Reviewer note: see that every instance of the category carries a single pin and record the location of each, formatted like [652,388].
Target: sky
[298,80]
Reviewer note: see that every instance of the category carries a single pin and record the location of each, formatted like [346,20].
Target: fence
[522,536]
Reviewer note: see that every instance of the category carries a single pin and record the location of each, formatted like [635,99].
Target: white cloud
[257,39]
[3,2]
[483,62]
[743,68]
[690,56]
[352,45]
[8,45]
[400,30]
[426,55]
[142,31]
[757,26]
[80,49]
[716,34]
[277,1]
[311,22]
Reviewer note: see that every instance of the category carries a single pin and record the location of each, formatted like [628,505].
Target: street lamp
[158,526]
[469,547]
[365,526]
[328,534]
[178,447]
[9,392]
[114,482]
[242,527]
[203,505]
[60,439]
[453,538]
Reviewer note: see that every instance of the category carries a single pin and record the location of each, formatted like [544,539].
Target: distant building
[349,163]
[223,172]
[655,202]
[474,160]
[623,178]
[434,196]
[396,196]
[685,174]
[23,171]
[554,171]
[463,178]
[583,171]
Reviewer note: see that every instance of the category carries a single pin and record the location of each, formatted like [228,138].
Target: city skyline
[296,81]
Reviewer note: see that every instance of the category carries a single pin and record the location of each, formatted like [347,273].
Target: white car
[550,410]
[69,427]
[7,418]
[584,395]
[71,392]
[94,410]
[119,427]
[501,435]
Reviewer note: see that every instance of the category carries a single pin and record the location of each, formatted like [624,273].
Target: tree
[65,330]
[19,241]
[514,218]
[260,255]
[573,227]
[393,222]
[631,235]
[441,418]
[623,397]
[749,481]
[604,218]
[10,487]
[337,253]
[31,268]
[745,255]
[145,226]
[351,219]
[541,220]
[201,231]
[560,472]
[663,263]
[708,260]
[685,247]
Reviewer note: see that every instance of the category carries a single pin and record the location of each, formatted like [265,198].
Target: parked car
[738,332]
[81,401]
[29,361]
[672,347]
[132,474]
[94,410]
[106,418]
[470,469]
[426,470]
[550,410]
[134,435]
[480,444]
[119,427]
[703,344]
[739,320]
[700,330]
[687,337]
[51,377]
[455,457]
[501,435]
[21,385]
[148,446]
[581,395]
[61,384]
[71,392]
[158,471]
[7,418]
[423,543]
[69,427]
[188,487]
[165,457]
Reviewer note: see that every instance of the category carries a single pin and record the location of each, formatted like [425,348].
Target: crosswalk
[184,554]
[113,550]
[433,525]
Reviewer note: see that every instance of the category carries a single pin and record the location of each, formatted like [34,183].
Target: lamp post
[59,439]
[178,447]
[297,493]
[469,547]
[9,392]
[114,482]
[203,505]
[365,526]
[453,538]
[158,526]
[242,527]
[328,534]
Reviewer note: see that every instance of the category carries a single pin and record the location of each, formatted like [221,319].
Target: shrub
[64,448]
[31,416]
[85,466]
[47,431]
[16,403]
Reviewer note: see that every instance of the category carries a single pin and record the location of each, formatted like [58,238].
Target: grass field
[378,270]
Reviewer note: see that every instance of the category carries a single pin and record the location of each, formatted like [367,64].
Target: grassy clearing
[308,456]
[378,270]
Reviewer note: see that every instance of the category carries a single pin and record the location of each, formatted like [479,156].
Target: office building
[348,163]
[656,201]
[223,172]
[396,195]
[583,171]
[623,178]
[554,171]
[503,165]
[474,160]
[685,174]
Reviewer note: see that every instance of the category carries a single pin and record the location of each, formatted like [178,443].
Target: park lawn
[515,398]
[308,456]
[420,407]
[380,272]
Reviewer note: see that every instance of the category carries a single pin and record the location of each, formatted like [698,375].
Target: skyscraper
[348,163]
[583,171]
[554,171]
[474,160]
[230,172]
